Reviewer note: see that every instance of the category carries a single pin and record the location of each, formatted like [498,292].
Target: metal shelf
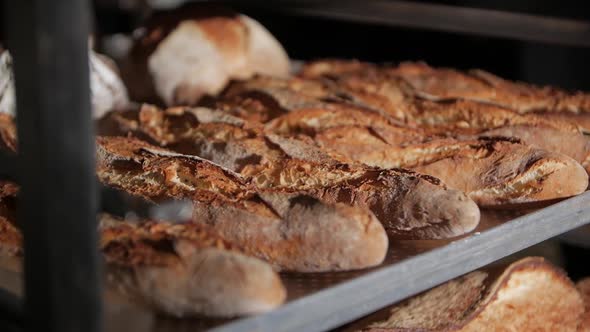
[324,301]
[349,300]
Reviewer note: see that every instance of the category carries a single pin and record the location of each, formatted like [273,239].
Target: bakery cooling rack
[55,169]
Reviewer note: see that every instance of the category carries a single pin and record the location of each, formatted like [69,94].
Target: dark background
[309,38]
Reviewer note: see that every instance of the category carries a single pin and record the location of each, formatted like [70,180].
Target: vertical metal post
[57,204]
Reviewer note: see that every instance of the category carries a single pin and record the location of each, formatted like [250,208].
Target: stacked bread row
[312,172]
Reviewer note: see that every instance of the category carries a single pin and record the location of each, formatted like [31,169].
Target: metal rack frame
[55,168]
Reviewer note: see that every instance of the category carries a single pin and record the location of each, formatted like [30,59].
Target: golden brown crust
[186,269]
[179,269]
[482,86]
[295,224]
[529,295]
[492,171]
[398,198]
[387,89]
[583,287]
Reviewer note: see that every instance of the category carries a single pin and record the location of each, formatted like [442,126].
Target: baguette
[185,269]
[408,204]
[194,51]
[482,86]
[529,295]
[290,230]
[380,88]
[443,84]
[345,238]
[492,171]
[177,269]
[583,287]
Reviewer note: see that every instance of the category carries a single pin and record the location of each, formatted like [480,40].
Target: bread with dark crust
[385,88]
[480,85]
[473,85]
[493,171]
[186,269]
[410,205]
[529,295]
[178,269]
[291,230]
[321,237]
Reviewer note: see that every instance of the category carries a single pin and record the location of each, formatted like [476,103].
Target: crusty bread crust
[185,269]
[492,171]
[583,287]
[395,91]
[480,85]
[178,269]
[398,198]
[529,295]
[279,226]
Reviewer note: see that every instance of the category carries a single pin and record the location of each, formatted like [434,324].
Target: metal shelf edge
[353,299]
[431,16]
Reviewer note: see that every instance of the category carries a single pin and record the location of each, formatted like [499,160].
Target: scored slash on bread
[480,85]
[288,229]
[291,230]
[383,88]
[529,295]
[178,269]
[409,205]
[186,269]
[444,84]
[492,171]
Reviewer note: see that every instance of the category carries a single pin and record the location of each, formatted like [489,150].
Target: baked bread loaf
[583,287]
[184,54]
[378,87]
[299,232]
[291,230]
[409,205]
[185,269]
[483,86]
[492,171]
[178,269]
[529,295]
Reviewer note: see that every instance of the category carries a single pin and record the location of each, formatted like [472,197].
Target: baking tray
[323,301]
